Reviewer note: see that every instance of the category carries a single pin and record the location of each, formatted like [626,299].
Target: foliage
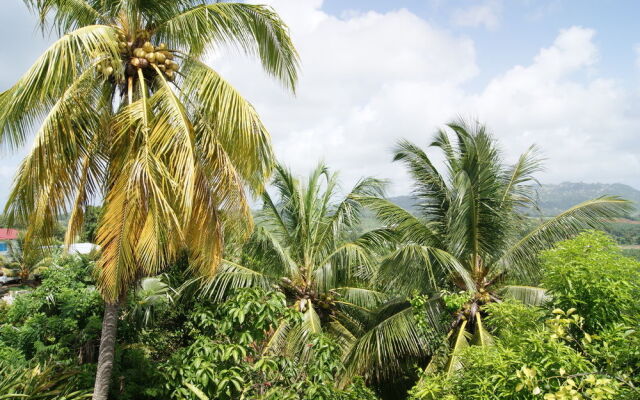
[47,382]
[588,273]
[303,245]
[227,358]
[526,364]
[555,352]
[60,318]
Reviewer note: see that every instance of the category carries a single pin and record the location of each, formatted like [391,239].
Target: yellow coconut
[148,47]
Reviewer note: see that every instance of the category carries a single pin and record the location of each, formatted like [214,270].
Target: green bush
[588,273]
[229,358]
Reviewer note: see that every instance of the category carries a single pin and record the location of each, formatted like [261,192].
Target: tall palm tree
[304,245]
[470,232]
[126,111]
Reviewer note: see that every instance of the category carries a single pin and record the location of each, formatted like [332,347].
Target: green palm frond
[530,295]
[520,257]
[255,29]
[413,267]
[47,80]
[411,228]
[391,337]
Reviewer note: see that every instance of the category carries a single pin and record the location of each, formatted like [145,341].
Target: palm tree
[26,259]
[470,232]
[303,245]
[126,111]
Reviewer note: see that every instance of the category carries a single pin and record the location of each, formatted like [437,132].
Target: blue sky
[564,75]
[524,26]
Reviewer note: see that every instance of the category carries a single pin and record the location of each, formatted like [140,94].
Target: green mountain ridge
[555,198]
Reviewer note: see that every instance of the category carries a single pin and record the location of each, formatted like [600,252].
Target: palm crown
[471,233]
[303,245]
[129,113]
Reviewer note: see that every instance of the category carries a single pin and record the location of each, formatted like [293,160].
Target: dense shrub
[590,274]
[58,320]
[229,356]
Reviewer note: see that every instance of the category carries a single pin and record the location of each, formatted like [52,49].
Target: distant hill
[556,198]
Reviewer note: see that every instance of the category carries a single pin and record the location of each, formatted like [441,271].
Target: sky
[561,74]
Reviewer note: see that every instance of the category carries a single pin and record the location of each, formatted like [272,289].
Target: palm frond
[47,80]
[534,296]
[255,29]
[521,256]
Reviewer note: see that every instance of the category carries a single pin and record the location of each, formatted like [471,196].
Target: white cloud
[372,78]
[486,14]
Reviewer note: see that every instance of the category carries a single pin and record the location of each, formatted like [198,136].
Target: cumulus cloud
[486,14]
[369,79]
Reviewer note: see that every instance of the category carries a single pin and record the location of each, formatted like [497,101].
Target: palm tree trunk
[107,350]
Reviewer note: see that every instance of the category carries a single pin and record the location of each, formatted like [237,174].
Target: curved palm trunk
[107,351]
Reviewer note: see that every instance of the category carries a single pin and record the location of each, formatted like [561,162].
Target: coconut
[175,66]
[151,57]
[143,63]
[162,67]
[139,52]
[108,71]
[160,58]
[161,46]
[169,74]
[168,63]
[135,62]
[148,47]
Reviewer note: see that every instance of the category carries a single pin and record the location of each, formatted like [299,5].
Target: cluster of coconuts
[150,56]
[105,68]
[140,53]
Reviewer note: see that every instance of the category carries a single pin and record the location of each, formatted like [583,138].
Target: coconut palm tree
[26,260]
[473,209]
[304,245]
[126,110]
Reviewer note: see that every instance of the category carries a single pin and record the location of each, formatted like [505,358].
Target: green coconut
[139,52]
[160,58]
[151,57]
[148,47]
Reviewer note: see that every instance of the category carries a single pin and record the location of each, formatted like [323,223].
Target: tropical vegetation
[332,293]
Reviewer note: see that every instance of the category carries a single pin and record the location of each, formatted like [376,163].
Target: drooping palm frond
[421,268]
[534,296]
[22,106]
[520,257]
[390,338]
[255,29]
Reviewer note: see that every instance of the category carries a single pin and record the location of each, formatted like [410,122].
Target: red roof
[8,234]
